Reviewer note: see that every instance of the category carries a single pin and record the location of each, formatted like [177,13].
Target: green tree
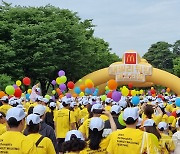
[159,55]
[176,67]
[38,42]
[5,80]
[176,48]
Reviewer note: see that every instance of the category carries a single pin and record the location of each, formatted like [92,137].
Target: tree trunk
[43,87]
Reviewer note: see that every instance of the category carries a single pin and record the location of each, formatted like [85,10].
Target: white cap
[85,102]
[77,133]
[39,110]
[97,123]
[66,100]
[108,100]
[149,122]
[178,111]
[45,100]
[52,104]
[139,121]
[4,98]
[73,104]
[116,109]
[34,118]
[96,106]
[161,105]
[16,113]
[21,106]
[163,125]
[40,98]
[131,112]
[123,103]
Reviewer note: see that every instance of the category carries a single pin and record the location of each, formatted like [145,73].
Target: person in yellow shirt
[74,142]
[131,140]
[45,102]
[44,144]
[96,143]
[84,112]
[166,143]
[13,141]
[2,123]
[5,107]
[64,121]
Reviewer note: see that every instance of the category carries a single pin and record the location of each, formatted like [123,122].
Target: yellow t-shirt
[2,129]
[102,150]
[84,112]
[131,141]
[166,144]
[108,108]
[77,114]
[13,142]
[84,128]
[174,122]
[4,108]
[63,125]
[45,146]
[165,118]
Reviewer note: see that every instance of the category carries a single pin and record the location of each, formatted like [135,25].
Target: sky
[124,24]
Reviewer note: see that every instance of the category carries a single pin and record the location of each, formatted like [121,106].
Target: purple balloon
[116,96]
[149,93]
[15,86]
[62,87]
[53,82]
[68,95]
[61,73]
[163,90]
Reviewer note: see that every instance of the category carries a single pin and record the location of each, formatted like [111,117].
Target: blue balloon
[88,91]
[95,93]
[27,97]
[135,100]
[107,91]
[177,102]
[77,90]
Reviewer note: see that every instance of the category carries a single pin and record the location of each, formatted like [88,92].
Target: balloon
[135,100]
[109,95]
[2,93]
[112,84]
[70,85]
[95,93]
[53,82]
[116,96]
[133,92]
[68,95]
[174,114]
[58,80]
[63,79]
[29,91]
[106,88]
[18,93]
[62,87]
[137,92]
[90,85]
[15,86]
[47,96]
[153,91]
[125,91]
[163,90]
[168,90]
[77,90]
[82,87]
[130,85]
[141,91]
[103,97]
[26,81]
[27,96]
[177,102]
[58,91]
[87,81]
[152,88]
[81,94]
[54,92]
[129,93]
[80,80]
[61,73]
[60,96]
[88,91]
[18,83]
[10,90]
[75,95]
[120,119]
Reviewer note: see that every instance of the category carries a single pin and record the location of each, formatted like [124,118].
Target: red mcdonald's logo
[130,58]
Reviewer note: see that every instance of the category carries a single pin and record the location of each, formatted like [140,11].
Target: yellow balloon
[18,83]
[53,92]
[125,91]
[137,92]
[80,80]
[141,91]
[133,92]
[106,88]
[81,94]
[29,91]
[88,81]
[58,80]
[63,79]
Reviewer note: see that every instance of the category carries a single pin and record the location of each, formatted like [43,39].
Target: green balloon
[9,90]
[120,119]
[48,97]
[103,97]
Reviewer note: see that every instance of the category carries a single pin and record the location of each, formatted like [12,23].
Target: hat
[149,122]
[178,111]
[45,100]
[39,98]
[77,133]
[161,105]
[16,113]
[108,100]
[4,98]
[123,104]
[34,118]
[97,123]
[39,110]
[163,125]
[66,100]
[73,104]
[85,102]
[52,104]
[96,106]
[139,121]
[116,109]
[131,112]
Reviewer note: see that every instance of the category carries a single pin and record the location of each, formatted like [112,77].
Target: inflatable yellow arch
[133,69]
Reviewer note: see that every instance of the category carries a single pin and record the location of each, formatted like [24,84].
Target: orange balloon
[75,95]
[61,96]
[90,85]
[112,84]
[2,94]
[168,90]
[82,87]
[153,95]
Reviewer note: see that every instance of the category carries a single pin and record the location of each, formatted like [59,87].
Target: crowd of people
[88,125]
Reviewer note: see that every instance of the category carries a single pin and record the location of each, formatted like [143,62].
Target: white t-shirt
[176,139]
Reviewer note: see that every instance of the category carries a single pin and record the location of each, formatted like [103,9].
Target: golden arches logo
[130,58]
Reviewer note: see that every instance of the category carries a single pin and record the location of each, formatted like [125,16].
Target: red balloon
[159,96]
[130,85]
[109,95]
[70,85]
[153,91]
[18,92]
[129,93]
[174,114]
[26,81]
